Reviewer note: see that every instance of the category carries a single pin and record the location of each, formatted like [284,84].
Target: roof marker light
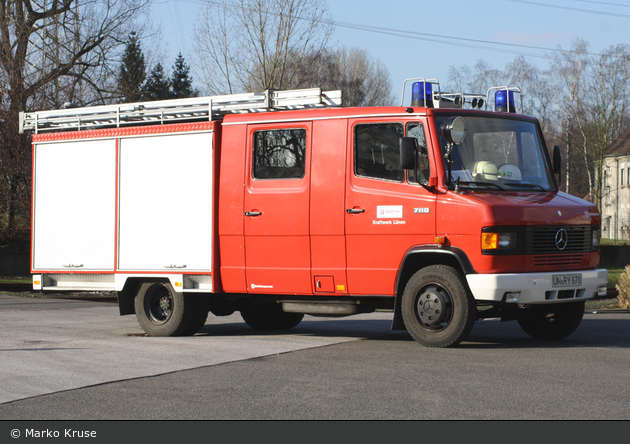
[422,94]
[501,101]
[504,98]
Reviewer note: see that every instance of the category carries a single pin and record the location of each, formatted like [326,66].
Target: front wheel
[551,322]
[437,308]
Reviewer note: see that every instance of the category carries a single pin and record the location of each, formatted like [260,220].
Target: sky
[423,38]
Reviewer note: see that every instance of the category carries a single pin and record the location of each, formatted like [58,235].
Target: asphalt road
[80,360]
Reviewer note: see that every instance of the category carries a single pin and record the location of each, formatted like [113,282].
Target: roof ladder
[175,110]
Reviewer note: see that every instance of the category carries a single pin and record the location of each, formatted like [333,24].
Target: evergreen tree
[158,86]
[132,71]
[181,82]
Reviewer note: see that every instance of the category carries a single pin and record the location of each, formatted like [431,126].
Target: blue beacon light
[501,101]
[422,94]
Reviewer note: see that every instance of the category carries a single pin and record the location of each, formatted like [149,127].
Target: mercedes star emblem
[561,239]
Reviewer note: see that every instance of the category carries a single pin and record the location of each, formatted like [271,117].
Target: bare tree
[478,80]
[534,90]
[591,101]
[52,51]
[567,79]
[255,45]
[363,80]
[604,108]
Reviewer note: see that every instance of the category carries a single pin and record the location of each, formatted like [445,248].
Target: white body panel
[121,207]
[166,203]
[77,180]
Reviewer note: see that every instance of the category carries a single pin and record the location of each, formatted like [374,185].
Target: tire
[551,322]
[437,308]
[269,316]
[200,314]
[161,311]
[222,311]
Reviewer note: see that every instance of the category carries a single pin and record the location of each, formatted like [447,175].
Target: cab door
[276,209]
[387,210]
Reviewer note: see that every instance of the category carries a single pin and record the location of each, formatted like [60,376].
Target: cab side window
[377,151]
[416,130]
[279,154]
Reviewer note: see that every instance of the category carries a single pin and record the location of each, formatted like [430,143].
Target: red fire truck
[444,211]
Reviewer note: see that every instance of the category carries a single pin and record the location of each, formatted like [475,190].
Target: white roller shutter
[165,203]
[74,205]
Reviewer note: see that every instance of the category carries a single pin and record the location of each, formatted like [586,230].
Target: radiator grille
[558,260]
[543,240]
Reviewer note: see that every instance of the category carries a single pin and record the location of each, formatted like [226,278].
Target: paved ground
[49,345]
[78,360]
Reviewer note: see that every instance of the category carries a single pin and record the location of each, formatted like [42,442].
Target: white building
[615,206]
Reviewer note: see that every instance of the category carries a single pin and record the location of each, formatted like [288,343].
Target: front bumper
[538,288]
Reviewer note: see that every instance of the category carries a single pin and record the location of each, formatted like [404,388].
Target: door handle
[253,213]
[355,210]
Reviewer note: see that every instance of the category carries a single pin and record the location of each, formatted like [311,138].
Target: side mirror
[557,159]
[408,152]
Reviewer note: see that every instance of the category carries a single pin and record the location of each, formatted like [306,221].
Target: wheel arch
[419,257]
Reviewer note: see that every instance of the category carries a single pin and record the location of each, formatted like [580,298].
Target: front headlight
[497,241]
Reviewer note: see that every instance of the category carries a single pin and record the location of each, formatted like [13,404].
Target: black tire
[551,322]
[161,311]
[200,314]
[437,307]
[222,311]
[269,316]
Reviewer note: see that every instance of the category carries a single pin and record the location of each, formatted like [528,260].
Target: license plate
[566,280]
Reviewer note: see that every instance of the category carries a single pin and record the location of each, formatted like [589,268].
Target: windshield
[498,153]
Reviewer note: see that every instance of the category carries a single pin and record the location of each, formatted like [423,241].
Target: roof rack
[458,100]
[175,110]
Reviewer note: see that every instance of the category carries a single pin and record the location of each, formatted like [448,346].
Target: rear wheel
[269,316]
[551,322]
[161,311]
[200,314]
[437,308]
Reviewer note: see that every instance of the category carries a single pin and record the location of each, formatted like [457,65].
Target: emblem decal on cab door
[389,211]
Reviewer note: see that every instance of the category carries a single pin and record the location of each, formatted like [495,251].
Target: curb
[607,311]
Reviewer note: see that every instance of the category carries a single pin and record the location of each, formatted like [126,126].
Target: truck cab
[444,215]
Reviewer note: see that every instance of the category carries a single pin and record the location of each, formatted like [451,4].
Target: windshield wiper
[476,184]
[525,185]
